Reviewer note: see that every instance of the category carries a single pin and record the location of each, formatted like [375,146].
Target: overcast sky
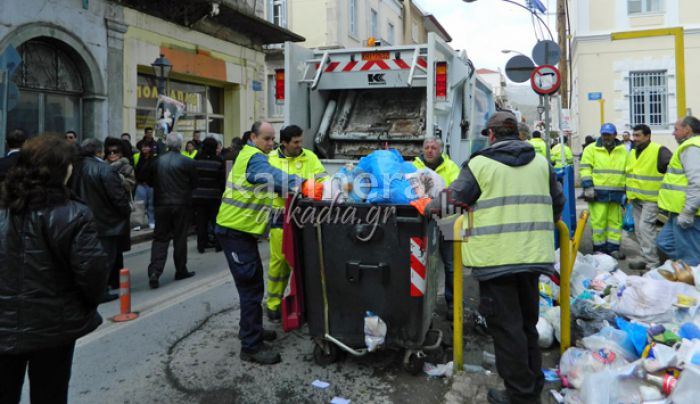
[485,27]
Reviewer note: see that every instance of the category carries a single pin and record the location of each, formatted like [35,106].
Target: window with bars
[643,6]
[648,98]
[353,17]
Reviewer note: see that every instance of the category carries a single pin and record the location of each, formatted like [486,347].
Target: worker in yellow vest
[680,196]
[190,150]
[538,143]
[556,154]
[243,218]
[602,172]
[646,166]
[293,159]
[516,199]
[434,159]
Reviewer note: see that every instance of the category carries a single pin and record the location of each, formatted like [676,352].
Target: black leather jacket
[174,178]
[52,272]
[100,187]
[211,179]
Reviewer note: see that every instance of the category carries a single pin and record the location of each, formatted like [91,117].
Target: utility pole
[563,59]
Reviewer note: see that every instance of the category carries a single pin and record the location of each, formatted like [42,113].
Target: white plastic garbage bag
[444,369]
[576,364]
[686,390]
[426,182]
[375,331]
[545,332]
[553,317]
[651,300]
[605,263]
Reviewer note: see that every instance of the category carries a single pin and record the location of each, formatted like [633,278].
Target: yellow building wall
[235,67]
[601,21]
[308,19]
[689,11]
[594,71]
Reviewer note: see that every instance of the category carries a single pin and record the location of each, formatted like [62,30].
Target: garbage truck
[351,102]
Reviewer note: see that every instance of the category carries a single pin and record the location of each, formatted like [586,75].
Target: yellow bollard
[568,249]
[457,339]
[564,284]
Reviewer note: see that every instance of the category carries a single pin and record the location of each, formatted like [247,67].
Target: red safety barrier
[124,298]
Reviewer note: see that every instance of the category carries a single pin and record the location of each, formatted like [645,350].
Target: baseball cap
[608,128]
[502,119]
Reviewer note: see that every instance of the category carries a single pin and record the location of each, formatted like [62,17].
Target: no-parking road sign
[545,79]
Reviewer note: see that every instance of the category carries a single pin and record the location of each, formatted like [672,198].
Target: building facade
[333,24]
[87,67]
[631,81]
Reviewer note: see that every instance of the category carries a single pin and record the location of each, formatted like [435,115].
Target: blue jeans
[241,250]
[145,193]
[678,243]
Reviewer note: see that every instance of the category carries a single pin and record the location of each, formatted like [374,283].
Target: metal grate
[649,98]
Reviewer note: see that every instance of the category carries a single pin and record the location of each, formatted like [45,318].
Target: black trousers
[172,222]
[205,211]
[49,374]
[111,247]
[511,306]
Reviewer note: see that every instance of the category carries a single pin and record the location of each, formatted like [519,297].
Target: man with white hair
[434,159]
[174,178]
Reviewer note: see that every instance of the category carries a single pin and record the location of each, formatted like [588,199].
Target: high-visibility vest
[643,179]
[190,154]
[306,165]
[556,155]
[448,169]
[539,145]
[513,218]
[606,170]
[673,187]
[244,206]
[137,157]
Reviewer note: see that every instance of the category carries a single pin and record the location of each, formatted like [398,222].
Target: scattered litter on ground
[444,369]
[320,384]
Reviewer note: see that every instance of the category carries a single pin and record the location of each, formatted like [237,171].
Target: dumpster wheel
[413,361]
[326,353]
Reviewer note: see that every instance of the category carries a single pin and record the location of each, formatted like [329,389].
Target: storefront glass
[203,106]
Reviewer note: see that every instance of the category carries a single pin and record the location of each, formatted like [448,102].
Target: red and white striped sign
[371,65]
[417,267]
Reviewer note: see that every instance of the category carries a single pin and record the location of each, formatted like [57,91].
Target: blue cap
[608,128]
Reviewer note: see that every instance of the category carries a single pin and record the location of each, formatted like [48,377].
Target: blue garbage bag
[628,219]
[636,333]
[383,172]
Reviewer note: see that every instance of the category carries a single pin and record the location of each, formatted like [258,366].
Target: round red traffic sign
[545,79]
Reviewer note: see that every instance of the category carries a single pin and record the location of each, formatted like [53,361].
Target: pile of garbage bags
[638,337]
[382,177]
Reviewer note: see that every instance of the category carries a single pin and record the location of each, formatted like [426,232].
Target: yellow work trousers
[606,223]
[278,273]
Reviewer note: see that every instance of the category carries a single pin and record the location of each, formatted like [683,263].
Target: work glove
[589,194]
[686,220]
[420,204]
[312,189]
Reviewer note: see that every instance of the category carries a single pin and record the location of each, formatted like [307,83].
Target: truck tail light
[441,81]
[279,86]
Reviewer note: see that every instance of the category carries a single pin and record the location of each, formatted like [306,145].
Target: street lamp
[506,51]
[161,68]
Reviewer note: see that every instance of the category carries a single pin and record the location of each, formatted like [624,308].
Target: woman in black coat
[52,273]
[206,198]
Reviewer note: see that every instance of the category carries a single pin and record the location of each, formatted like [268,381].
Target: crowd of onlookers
[66,210]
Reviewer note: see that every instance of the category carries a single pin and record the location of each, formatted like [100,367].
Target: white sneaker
[151,226]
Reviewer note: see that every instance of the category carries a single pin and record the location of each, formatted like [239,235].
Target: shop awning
[218,18]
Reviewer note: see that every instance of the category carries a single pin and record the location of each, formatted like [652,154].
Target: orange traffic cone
[124,298]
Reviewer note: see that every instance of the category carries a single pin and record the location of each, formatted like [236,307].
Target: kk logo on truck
[375,78]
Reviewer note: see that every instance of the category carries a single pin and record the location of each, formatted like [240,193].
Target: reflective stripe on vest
[643,179]
[306,165]
[513,218]
[243,207]
[448,170]
[605,169]
[672,192]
